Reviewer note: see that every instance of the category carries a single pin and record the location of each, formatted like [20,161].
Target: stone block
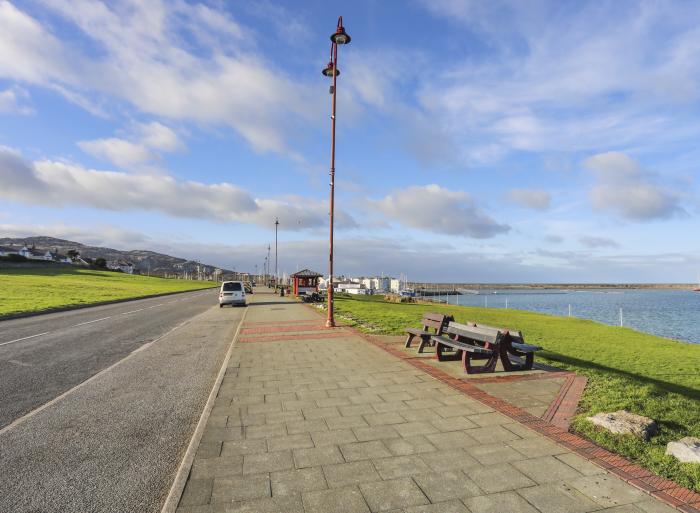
[625,423]
[685,450]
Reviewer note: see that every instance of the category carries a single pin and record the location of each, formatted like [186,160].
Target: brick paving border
[284,338]
[663,489]
[282,329]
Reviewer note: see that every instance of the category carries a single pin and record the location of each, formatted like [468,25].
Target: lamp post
[277,223]
[339,37]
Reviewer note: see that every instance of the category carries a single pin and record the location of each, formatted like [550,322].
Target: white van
[232,293]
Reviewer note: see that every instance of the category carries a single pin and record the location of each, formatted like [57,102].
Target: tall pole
[268,265]
[338,37]
[277,222]
[330,322]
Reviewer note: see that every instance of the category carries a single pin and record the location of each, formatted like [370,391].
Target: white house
[35,254]
[57,257]
[121,265]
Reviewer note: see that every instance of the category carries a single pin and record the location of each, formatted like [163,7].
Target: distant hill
[146,262]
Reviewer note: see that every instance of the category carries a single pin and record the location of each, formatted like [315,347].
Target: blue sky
[477,141]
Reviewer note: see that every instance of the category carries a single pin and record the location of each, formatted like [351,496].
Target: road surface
[97,405]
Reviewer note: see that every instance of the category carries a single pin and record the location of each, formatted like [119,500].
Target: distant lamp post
[339,37]
[277,223]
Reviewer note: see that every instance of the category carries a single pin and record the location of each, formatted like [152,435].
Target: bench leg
[469,368]
[409,338]
[424,341]
[442,355]
[510,366]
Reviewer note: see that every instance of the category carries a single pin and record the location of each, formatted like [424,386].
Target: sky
[499,141]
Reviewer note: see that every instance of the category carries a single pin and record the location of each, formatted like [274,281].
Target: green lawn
[648,375]
[35,289]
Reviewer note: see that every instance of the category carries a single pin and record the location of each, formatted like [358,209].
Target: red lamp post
[339,37]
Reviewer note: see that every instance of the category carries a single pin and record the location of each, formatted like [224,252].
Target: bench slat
[461,345]
[525,348]
[471,334]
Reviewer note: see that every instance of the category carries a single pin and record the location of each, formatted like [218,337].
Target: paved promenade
[322,421]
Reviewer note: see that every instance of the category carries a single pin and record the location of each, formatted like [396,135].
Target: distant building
[305,282]
[35,254]
[121,265]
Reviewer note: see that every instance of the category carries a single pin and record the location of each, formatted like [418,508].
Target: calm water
[668,313]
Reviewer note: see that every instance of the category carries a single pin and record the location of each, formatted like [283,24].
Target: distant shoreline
[546,286]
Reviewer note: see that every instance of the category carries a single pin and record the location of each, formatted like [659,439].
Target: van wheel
[220,305]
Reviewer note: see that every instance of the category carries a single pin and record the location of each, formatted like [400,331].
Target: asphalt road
[97,406]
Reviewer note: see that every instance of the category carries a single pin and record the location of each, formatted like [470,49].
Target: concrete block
[508,502]
[317,456]
[364,450]
[343,475]
[289,482]
[546,469]
[239,488]
[444,486]
[341,500]
[400,466]
[394,494]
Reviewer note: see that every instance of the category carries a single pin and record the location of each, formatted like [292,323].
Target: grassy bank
[645,374]
[30,290]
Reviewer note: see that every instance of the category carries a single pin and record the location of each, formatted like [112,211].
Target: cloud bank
[436,209]
[52,183]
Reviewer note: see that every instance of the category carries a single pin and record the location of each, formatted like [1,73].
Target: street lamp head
[340,37]
[330,70]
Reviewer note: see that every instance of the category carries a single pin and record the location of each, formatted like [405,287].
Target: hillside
[146,262]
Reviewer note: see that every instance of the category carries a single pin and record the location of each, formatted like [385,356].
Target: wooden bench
[435,321]
[480,342]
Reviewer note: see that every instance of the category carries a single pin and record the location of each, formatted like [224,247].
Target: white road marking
[90,322]
[24,338]
[26,416]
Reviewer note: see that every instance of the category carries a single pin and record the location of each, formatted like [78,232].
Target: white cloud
[535,199]
[439,210]
[121,152]
[544,81]
[13,101]
[624,189]
[146,60]
[140,148]
[54,183]
[598,242]
[159,137]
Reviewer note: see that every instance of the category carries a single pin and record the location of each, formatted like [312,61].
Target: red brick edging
[285,338]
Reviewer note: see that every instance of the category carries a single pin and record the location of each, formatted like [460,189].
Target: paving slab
[339,424]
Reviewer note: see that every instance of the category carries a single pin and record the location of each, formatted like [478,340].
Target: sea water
[667,313]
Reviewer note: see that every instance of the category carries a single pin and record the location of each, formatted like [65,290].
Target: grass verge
[33,290]
[626,369]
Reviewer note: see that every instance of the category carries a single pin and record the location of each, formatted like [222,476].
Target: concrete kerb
[178,486]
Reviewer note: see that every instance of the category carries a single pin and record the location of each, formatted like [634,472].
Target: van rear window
[232,287]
